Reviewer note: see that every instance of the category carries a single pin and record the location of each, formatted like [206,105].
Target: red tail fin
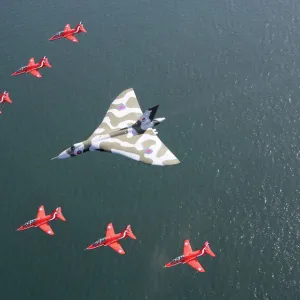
[58,214]
[6,97]
[81,27]
[44,62]
[130,233]
[208,250]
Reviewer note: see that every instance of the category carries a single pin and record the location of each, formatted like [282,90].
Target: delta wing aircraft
[125,130]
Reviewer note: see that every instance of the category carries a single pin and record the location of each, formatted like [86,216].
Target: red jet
[42,220]
[68,33]
[190,257]
[4,98]
[111,239]
[33,67]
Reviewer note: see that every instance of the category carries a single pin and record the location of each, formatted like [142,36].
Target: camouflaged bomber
[125,130]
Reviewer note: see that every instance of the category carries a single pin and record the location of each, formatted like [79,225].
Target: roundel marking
[121,106]
[79,152]
[148,151]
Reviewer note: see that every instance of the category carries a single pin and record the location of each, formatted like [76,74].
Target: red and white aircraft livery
[42,220]
[4,98]
[190,257]
[68,33]
[112,239]
[33,67]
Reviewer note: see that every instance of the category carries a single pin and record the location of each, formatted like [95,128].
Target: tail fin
[81,27]
[208,250]
[6,97]
[45,62]
[145,121]
[130,233]
[59,215]
[149,114]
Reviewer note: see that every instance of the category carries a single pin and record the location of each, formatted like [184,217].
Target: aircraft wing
[71,38]
[146,148]
[117,247]
[196,265]
[46,227]
[123,111]
[35,73]
[41,212]
[31,62]
[187,249]
[67,27]
[110,230]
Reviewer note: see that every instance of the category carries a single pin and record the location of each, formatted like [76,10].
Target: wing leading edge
[46,228]
[196,265]
[35,73]
[187,248]
[123,111]
[117,247]
[110,232]
[41,212]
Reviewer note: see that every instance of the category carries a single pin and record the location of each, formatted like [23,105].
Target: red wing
[41,212]
[35,73]
[67,27]
[117,247]
[196,265]
[110,230]
[72,38]
[187,249]
[31,61]
[47,229]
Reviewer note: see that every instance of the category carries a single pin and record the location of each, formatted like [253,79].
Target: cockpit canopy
[57,34]
[22,68]
[99,241]
[29,223]
[177,259]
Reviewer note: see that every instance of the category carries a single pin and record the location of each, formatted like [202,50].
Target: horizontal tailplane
[59,214]
[208,250]
[130,233]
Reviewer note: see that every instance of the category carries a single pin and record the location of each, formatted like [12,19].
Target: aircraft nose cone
[62,155]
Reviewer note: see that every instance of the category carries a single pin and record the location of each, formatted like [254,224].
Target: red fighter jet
[190,257]
[33,67]
[112,238]
[42,220]
[4,98]
[68,33]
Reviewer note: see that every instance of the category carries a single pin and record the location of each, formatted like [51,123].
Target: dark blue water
[226,76]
